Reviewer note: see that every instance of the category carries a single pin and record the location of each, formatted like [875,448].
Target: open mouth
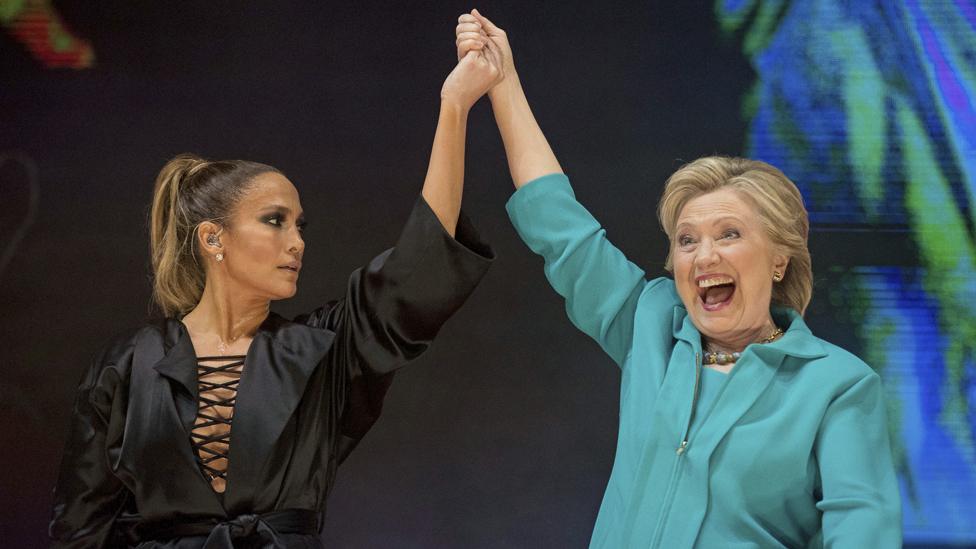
[292,267]
[715,292]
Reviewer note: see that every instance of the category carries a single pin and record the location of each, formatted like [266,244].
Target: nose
[297,246]
[706,256]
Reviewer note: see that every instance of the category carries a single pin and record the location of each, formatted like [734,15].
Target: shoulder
[323,317]
[120,348]
[114,360]
[121,345]
[109,373]
[662,289]
[842,363]
[660,313]
[838,369]
[660,295]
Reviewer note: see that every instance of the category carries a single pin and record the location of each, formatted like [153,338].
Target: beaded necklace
[722,357]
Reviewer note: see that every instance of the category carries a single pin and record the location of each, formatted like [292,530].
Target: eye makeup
[278,218]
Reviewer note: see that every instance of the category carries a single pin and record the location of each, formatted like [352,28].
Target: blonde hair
[190,190]
[777,202]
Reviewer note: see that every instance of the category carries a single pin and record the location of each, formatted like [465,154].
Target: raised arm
[600,285]
[475,72]
[395,305]
[529,154]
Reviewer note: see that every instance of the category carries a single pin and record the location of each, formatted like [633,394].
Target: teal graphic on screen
[871,109]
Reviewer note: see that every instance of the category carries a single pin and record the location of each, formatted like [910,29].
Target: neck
[225,314]
[738,344]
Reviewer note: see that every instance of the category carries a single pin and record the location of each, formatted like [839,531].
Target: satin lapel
[164,416]
[180,365]
[279,363]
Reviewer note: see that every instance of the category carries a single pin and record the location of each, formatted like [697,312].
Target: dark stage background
[503,434]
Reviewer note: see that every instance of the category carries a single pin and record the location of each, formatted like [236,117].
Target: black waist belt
[222,534]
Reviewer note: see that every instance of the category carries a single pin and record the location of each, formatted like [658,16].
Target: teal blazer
[794,451]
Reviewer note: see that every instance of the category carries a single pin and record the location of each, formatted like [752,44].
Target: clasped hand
[481,63]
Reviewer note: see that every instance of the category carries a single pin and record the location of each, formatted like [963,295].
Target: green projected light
[871,109]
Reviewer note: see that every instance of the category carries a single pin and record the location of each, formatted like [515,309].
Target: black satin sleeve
[395,306]
[88,496]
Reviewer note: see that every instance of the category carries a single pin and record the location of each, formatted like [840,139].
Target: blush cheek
[260,272]
[687,293]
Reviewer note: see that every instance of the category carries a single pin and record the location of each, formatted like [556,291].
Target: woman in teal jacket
[738,427]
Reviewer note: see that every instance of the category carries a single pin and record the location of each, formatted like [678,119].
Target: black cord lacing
[215,446]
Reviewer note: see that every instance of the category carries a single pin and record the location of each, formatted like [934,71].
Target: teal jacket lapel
[751,377]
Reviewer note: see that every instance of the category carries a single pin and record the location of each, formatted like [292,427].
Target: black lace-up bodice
[218,379]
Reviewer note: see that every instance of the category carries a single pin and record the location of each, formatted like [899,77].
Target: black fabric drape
[310,389]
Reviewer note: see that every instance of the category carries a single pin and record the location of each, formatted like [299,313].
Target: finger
[465,46]
[472,40]
[470,57]
[467,18]
[493,56]
[477,36]
[468,27]
[486,23]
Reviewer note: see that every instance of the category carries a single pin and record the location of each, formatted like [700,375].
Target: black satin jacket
[310,389]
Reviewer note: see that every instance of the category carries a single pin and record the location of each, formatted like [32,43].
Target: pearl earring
[219,257]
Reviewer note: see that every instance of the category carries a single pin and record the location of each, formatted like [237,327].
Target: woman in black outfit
[151,459]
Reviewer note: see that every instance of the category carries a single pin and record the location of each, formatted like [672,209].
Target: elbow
[862,522]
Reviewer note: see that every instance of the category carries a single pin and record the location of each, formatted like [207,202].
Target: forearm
[600,285]
[396,304]
[444,184]
[528,151]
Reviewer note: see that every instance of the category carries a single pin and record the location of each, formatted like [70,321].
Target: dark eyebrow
[278,208]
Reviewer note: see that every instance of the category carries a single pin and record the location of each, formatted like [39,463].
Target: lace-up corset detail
[218,378]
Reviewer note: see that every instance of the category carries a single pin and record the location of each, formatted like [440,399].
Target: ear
[208,238]
[780,263]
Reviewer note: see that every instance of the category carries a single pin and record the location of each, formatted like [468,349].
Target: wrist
[451,106]
[509,86]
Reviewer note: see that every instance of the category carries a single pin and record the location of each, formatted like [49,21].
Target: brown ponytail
[190,190]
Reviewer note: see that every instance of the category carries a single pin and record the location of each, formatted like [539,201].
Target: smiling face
[262,244]
[723,268]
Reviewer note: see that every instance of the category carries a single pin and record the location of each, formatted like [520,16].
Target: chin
[710,324]
[284,293]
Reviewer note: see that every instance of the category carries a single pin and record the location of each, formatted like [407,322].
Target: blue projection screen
[869,107]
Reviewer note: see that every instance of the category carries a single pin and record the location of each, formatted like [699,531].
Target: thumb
[485,22]
[469,57]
